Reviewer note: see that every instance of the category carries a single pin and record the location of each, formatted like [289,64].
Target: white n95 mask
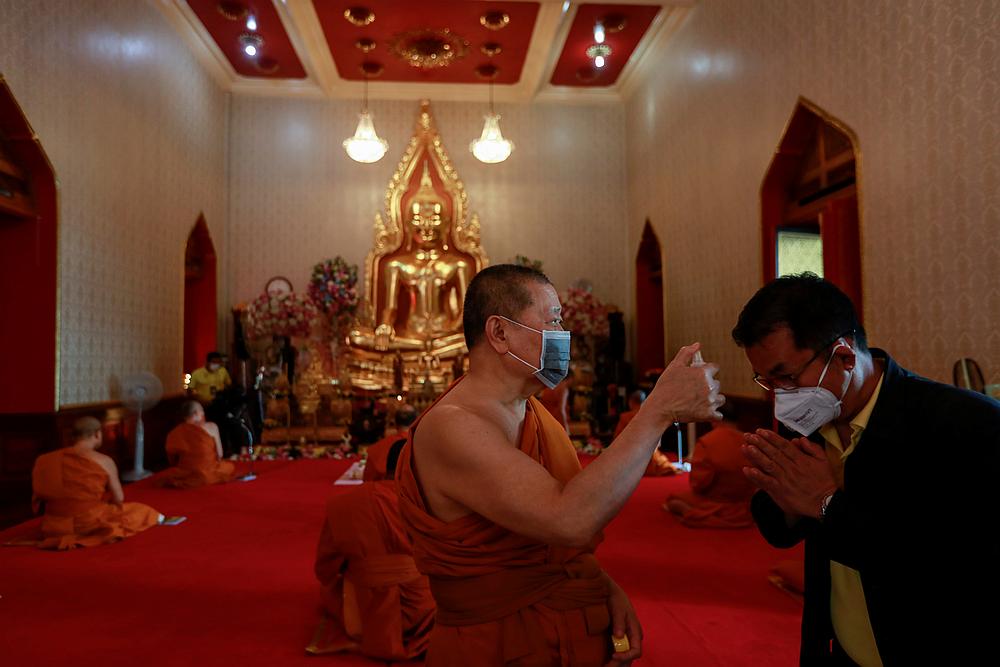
[805,409]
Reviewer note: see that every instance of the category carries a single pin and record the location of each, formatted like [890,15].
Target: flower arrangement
[334,288]
[287,314]
[584,314]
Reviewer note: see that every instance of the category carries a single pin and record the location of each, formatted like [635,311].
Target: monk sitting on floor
[720,493]
[377,455]
[194,449]
[78,489]
[374,599]
[503,519]
[659,465]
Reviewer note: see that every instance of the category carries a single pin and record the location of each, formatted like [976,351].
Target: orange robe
[659,465]
[374,598]
[720,493]
[191,451]
[377,456]
[505,599]
[73,490]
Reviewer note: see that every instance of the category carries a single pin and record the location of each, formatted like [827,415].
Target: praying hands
[795,473]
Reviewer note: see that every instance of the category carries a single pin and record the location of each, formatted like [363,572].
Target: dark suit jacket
[917,518]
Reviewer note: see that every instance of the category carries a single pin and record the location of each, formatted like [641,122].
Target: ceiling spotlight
[587,74]
[494,20]
[599,54]
[232,11]
[490,49]
[599,32]
[359,16]
[365,44]
[251,43]
[488,71]
[614,22]
[251,23]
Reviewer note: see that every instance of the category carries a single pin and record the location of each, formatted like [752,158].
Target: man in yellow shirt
[209,380]
[899,560]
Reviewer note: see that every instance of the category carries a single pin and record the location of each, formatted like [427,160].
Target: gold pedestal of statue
[426,251]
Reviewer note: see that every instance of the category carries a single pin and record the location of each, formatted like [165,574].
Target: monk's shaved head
[84,427]
[497,290]
[189,409]
[406,414]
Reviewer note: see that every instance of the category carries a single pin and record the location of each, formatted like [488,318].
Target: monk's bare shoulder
[211,428]
[104,461]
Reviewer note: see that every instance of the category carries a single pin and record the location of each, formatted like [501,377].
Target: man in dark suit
[900,556]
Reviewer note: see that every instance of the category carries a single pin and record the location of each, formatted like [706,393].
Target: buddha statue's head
[427,214]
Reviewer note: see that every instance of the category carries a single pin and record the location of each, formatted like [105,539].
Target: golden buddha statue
[429,275]
[426,251]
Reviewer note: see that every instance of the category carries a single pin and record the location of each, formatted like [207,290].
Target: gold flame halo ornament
[428,49]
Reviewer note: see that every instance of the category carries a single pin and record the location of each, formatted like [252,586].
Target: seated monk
[720,492]
[374,599]
[78,489]
[503,520]
[194,449]
[659,465]
[377,456]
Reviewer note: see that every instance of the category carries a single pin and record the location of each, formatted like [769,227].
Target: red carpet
[234,584]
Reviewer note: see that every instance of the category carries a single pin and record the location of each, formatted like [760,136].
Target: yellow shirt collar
[858,424]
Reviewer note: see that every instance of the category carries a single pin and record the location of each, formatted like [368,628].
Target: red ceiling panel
[276,58]
[574,68]
[394,18]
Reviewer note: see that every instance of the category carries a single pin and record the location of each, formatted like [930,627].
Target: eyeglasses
[789,381]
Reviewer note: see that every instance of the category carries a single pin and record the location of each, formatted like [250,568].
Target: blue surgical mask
[553,362]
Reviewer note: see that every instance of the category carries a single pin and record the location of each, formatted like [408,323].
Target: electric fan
[140,391]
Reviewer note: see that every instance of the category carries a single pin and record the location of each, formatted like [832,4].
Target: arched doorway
[809,202]
[649,303]
[200,315]
[28,260]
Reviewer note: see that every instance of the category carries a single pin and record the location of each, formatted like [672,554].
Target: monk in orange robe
[194,449]
[377,456]
[659,465]
[720,492]
[78,489]
[503,520]
[374,599]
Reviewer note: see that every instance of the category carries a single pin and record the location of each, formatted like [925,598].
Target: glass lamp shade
[491,147]
[365,145]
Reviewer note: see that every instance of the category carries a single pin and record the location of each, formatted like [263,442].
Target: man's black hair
[497,290]
[813,309]
[212,356]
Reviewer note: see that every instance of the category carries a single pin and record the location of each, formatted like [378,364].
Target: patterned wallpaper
[918,83]
[136,132]
[143,141]
[296,198]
